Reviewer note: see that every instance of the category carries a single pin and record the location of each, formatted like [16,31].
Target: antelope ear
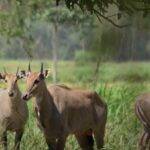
[46,73]
[22,74]
[2,76]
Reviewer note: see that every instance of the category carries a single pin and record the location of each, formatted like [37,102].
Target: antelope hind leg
[4,140]
[61,143]
[86,142]
[144,141]
[51,143]
[99,137]
[18,137]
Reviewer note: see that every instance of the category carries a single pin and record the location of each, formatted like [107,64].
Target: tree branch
[140,9]
[98,17]
[109,20]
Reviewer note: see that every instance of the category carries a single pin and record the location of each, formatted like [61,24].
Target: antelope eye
[5,80]
[36,81]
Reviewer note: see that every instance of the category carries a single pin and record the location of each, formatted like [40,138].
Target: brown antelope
[142,109]
[13,111]
[61,111]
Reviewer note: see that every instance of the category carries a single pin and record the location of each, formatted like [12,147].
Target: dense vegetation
[37,28]
[118,84]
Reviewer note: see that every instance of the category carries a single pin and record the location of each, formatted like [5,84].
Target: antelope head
[11,81]
[34,82]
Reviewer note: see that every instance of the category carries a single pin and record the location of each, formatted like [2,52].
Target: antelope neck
[43,103]
[42,95]
[16,100]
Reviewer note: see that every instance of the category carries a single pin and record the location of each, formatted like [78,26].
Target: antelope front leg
[86,142]
[61,143]
[4,140]
[18,138]
[51,143]
[143,144]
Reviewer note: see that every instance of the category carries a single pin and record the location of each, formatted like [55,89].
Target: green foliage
[134,76]
[62,15]
[84,56]
[101,7]
[15,15]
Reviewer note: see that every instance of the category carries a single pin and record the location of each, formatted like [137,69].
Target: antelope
[142,110]
[13,111]
[61,111]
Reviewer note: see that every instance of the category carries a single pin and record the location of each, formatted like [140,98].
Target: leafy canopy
[16,15]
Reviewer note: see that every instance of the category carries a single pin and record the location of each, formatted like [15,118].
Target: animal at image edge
[142,109]
[13,111]
[61,111]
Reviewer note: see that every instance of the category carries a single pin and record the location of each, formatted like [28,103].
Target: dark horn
[41,68]
[29,67]
[17,71]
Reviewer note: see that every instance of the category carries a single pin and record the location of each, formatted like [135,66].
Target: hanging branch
[100,7]
[109,20]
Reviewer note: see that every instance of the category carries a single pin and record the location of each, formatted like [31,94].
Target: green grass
[122,127]
[118,84]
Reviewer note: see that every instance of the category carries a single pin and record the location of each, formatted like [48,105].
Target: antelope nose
[11,94]
[25,96]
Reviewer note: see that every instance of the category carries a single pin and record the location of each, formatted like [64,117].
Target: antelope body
[13,111]
[61,111]
[142,109]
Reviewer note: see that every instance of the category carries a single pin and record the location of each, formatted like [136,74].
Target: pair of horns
[16,71]
[29,68]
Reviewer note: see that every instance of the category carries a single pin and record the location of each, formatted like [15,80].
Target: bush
[133,75]
[82,57]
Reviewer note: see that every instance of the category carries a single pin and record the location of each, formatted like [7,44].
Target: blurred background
[36,30]
[107,53]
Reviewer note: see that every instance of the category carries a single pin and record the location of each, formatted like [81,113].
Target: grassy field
[118,84]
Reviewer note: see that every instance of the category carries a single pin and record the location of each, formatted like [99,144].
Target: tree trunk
[96,72]
[27,44]
[133,35]
[133,51]
[55,51]
[83,45]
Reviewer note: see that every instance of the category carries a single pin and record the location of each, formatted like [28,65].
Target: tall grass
[122,129]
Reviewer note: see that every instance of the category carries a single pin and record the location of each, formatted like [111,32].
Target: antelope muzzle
[26,96]
[11,94]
